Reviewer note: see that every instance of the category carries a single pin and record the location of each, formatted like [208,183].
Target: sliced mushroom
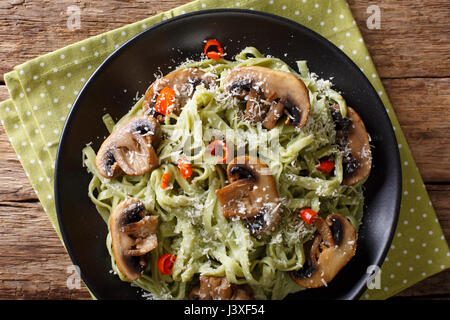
[183,82]
[130,148]
[332,248]
[281,90]
[252,194]
[273,115]
[353,139]
[219,288]
[133,234]
[235,199]
[255,108]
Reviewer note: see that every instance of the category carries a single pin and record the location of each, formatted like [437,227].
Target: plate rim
[58,206]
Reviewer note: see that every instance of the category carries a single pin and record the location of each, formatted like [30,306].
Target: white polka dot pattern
[34,119]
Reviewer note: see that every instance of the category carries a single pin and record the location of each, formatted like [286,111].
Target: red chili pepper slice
[213,54]
[308,215]
[185,168]
[165,180]
[219,148]
[165,101]
[326,166]
[166,262]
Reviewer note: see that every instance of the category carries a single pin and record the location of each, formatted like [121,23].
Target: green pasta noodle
[191,224]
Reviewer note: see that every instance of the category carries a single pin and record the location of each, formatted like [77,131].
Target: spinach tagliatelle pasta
[191,223]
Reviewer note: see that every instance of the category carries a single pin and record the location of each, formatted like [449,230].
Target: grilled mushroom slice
[270,93]
[252,194]
[183,82]
[219,288]
[332,248]
[133,234]
[235,199]
[353,139]
[130,148]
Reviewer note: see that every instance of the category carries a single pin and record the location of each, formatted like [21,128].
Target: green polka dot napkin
[44,89]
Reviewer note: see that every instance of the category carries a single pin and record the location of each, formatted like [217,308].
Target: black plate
[131,68]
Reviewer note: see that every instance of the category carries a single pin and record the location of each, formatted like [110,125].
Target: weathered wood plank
[413,39]
[42,25]
[33,262]
[422,108]
[14,185]
[24,224]
[421,105]
[34,269]
[31,268]
[413,42]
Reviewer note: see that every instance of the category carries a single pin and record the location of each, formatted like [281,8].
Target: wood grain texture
[45,23]
[33,262]
[422,108]
[410,52]
[33,268]
[421,105]
[413,40]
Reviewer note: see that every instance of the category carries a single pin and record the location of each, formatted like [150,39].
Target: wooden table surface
[411,52]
